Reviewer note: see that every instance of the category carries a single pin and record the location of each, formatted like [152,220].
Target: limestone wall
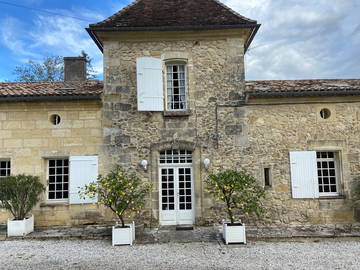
[215,75]
[221,129]
[28,139]
[266,135]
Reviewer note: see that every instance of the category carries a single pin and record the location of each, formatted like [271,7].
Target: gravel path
[256,255]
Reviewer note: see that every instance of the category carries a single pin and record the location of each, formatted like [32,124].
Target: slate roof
[279,88]
[173,13]
[51,90]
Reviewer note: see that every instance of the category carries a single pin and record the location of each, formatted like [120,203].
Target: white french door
[176,192]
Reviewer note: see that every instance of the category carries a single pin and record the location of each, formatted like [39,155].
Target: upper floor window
[161,87]
[176,87]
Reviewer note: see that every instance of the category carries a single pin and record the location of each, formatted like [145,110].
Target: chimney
[74,69]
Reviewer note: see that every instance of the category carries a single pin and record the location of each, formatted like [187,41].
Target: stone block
[233,129]
[72,115]
[36,142]
[239,112]
[28,124]
[124,89]
[61,133]
[13,143]
[80,132]
[3,116]
[77,124]
[125,158]
[88,115]
[11,125]
[92,123]
[4,134]
[73,141]
[122,107]
[122,139]
[324,205]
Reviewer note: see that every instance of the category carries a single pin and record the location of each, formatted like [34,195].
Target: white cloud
[302,39]
[51,36]
[10,31]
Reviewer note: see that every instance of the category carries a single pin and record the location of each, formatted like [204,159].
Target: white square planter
[20,227]
[234,234]
[123,236]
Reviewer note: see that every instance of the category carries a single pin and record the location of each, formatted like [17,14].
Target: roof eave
[255,29]
[49,98]
[95,38]
[93,29]
[345,92]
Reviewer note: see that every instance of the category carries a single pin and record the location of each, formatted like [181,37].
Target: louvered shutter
[83,170]
[150,91]
[304,180]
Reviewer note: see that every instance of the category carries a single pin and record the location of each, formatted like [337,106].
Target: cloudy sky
[298,39]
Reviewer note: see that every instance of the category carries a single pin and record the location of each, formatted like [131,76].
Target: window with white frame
[67,176]
[58,176]
[152,94]
[327,173]
[176,87]
[315,174]
[5,168]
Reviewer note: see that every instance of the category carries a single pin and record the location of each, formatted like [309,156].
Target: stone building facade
[48,123]
[174,95]
[261,126]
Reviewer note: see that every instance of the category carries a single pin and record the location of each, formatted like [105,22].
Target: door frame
[176,166]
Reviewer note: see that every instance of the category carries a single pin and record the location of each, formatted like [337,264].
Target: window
[267,177]
[325,113]
[314,174]
[327,173]
[5,168]
[152,94]
[175,156]
[58,175]
[55,119]
[176,87]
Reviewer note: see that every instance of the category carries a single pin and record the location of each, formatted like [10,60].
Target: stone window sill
[54,204]
[177,113]
[332,197]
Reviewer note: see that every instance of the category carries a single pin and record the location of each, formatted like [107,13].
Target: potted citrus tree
[124,194]
[241,196]
[19,194]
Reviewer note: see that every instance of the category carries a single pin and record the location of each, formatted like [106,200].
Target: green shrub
[19,194]
[120,191]
[238,190]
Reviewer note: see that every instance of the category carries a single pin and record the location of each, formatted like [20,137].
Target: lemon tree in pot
[241,196]
[19,194]
[124,194]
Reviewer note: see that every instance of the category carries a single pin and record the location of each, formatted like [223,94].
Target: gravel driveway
[256,255]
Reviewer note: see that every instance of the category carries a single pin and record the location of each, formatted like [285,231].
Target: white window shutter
[83,170]
[150,91]
[304,180]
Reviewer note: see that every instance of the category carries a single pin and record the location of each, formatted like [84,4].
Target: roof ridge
[233,11]
[124,9]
